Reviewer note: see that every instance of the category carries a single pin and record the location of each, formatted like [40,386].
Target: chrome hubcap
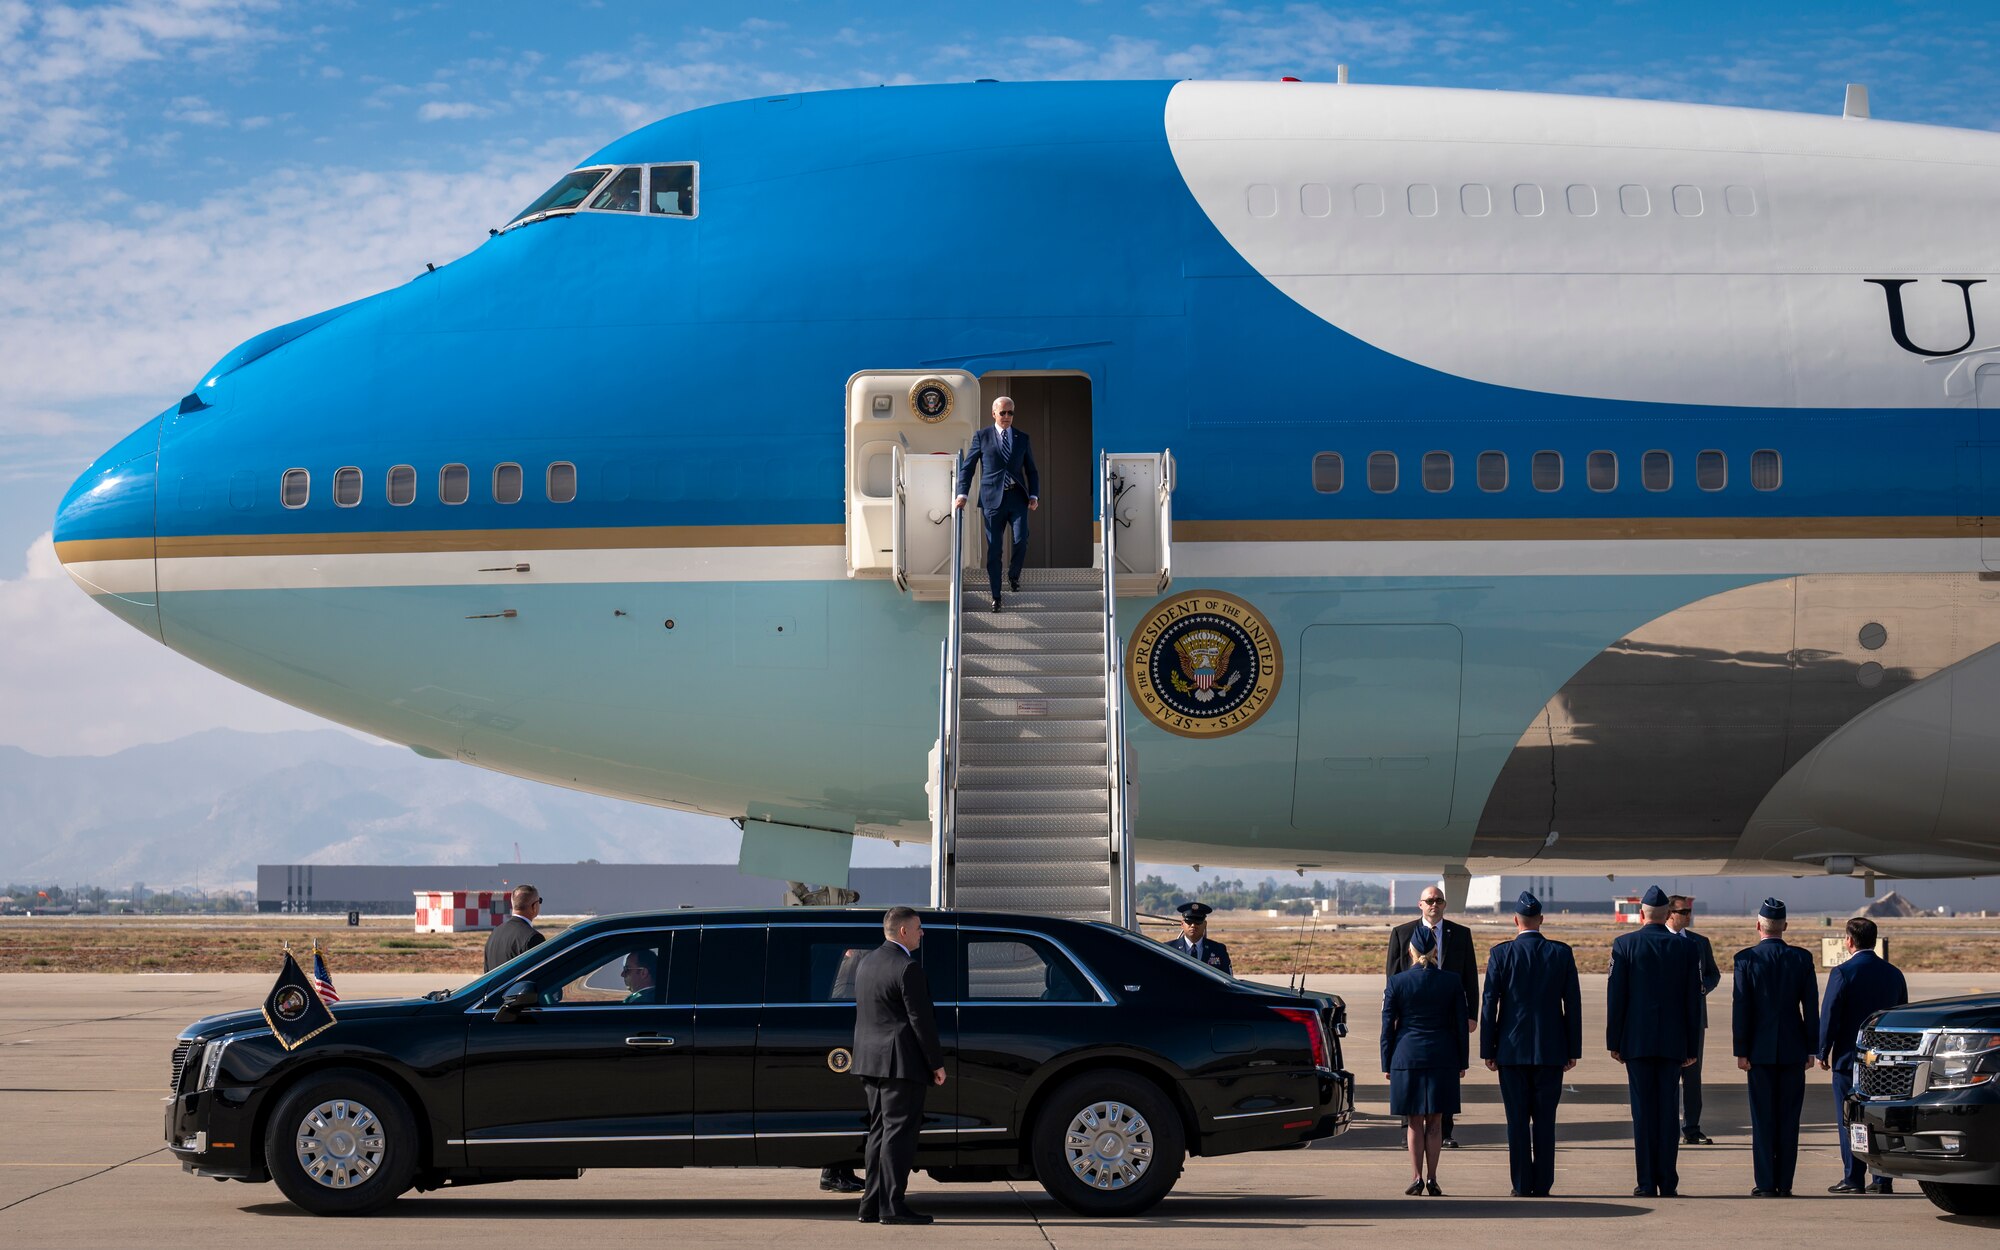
[1109,1145]
[340,1144]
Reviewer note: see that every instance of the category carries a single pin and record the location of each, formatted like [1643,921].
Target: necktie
[1007,459]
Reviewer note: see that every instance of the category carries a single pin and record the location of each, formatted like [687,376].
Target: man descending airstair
[1009,489]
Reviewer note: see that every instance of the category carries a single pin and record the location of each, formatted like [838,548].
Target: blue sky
[180,174]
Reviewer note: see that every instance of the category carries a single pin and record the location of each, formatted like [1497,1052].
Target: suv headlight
[211,1063]
[1966,1043]
[1963,1060]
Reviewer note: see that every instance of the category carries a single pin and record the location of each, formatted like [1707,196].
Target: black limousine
[1926,1102]
[1079,1055]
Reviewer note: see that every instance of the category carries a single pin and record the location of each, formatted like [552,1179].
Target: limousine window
[732,967]
[1019,968]
[818,965]
[626,971]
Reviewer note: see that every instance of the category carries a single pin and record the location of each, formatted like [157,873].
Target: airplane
[1590,485]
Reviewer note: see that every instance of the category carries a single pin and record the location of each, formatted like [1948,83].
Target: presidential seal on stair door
[1203,664]
[931,399]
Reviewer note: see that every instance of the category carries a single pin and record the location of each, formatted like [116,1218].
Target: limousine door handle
[649,1039]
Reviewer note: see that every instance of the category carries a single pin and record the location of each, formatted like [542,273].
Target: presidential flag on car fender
[292,1009]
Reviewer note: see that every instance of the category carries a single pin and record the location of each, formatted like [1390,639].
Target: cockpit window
[571,191]
[620,195]
[672,191]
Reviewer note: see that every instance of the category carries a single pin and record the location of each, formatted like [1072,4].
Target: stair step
[1033,685]
[1068,849]
[1033,776]
[1032,729]
[1024,876]
[1078,902]
[1031,802]
[994,824]
[1053,577]
[1035,599]
[1035,642]
[1029,753]
[1036,663]
[1009,621]
[1032,707]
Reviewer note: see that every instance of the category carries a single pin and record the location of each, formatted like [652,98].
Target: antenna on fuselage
[1856,104]
[1340,73]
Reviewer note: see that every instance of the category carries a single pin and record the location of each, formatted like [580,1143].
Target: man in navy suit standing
[1653,1026]
[1858,987]
[1531,1032]
[1679,916]
[1776,1032]
[1009,489]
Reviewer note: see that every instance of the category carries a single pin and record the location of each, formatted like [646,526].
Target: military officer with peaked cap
[1653,1026]
[1776,1033]
[1531,1032]
[1194,940]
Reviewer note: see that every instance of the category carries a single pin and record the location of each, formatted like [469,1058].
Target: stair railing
[944,833]
[1121,874]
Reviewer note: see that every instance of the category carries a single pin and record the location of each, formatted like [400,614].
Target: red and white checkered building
[458,911]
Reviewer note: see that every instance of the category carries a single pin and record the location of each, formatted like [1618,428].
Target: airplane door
[1378,728]
[898,421]
[1988,383]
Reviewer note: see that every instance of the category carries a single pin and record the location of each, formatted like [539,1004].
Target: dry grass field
[1260,945]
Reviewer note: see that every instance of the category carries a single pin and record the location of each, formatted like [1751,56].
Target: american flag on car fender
[321,978]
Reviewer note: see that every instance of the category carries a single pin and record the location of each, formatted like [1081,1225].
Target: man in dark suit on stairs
[1009,489]
[896,1054]
[1455,955]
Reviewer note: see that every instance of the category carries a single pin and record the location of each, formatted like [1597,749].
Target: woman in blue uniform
[1424,1053]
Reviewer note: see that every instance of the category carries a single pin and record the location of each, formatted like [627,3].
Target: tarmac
[84,1059]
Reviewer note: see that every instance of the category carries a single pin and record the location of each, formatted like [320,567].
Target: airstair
[1031,785]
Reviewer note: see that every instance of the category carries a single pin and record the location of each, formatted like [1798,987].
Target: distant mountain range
[212,806]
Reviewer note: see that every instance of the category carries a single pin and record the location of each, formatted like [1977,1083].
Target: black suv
[1077,1054]
[1926,1102]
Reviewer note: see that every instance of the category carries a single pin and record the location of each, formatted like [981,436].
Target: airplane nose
[104,531]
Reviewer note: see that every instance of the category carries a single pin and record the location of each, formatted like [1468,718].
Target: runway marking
[80,1179]
[1030,1209]
[153,1011]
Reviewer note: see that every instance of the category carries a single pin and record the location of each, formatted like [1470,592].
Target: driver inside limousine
[640,974]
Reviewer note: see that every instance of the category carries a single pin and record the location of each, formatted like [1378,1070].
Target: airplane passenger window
[562,482]
[1423,200]
[1711,470]
[621,194]
[346,487]
[1328,472]
[1687,200]
[1546,470]
[402,485]
[1635,200]
[1492,470]
[1437,470]
[454,484]
[1656,470]
[295,488]
[1600,470]
[568,192]
[1765,471]
[506,483]
[1475,199]
[1582,200]
[1382,472]
[1528,199]
[672,190]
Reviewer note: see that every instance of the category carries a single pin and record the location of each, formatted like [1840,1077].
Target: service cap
[1194,913]
[1527,905]
[1423,939]
[1773,909]
[1655,897]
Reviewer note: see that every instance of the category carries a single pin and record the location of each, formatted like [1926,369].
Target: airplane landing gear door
[903,427]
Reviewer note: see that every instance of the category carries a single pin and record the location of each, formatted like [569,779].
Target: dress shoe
[1519,1193]
[1431,1188]
[1695,1137]
[841,1183]
[996,603]
[1845,1187]
[1644,1191]
[866,1217]
[907,1217]
[1014,584]
[1763,1193]
[1670,1193]
[1416,1189]
[1451,1143]
[1883,1186]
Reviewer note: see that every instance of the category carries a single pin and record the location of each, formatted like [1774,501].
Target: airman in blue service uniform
[1653,1026]
[1531,1032]
[1776,1039]
[1194,940]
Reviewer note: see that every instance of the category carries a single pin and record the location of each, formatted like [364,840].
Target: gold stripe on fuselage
[639,537]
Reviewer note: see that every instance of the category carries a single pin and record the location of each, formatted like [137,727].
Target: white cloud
[80,681]
[195,111]
[453,111]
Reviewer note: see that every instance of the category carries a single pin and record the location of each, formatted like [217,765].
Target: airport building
[574,889]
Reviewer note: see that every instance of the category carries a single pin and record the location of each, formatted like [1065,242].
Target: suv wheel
[1963,1199]
[341,1142]
[1108,1143]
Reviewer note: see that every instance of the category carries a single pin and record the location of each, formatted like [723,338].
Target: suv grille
[1888,1080]
[1876,1039]
[180,1063]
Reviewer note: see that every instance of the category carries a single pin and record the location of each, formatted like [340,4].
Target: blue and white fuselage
[1615,475]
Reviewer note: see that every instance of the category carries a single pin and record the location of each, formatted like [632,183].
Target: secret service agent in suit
[896,1054]
[1009,489]
[1680,914]
[517,933]
[1531,1032]
[1652,1025]
[1858,987]
[1194,941]
[1455,955]
[1777,1037]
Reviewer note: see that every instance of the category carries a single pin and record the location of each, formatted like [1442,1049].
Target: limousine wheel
[1108,1143]
[341,1142]
[1963,1199]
